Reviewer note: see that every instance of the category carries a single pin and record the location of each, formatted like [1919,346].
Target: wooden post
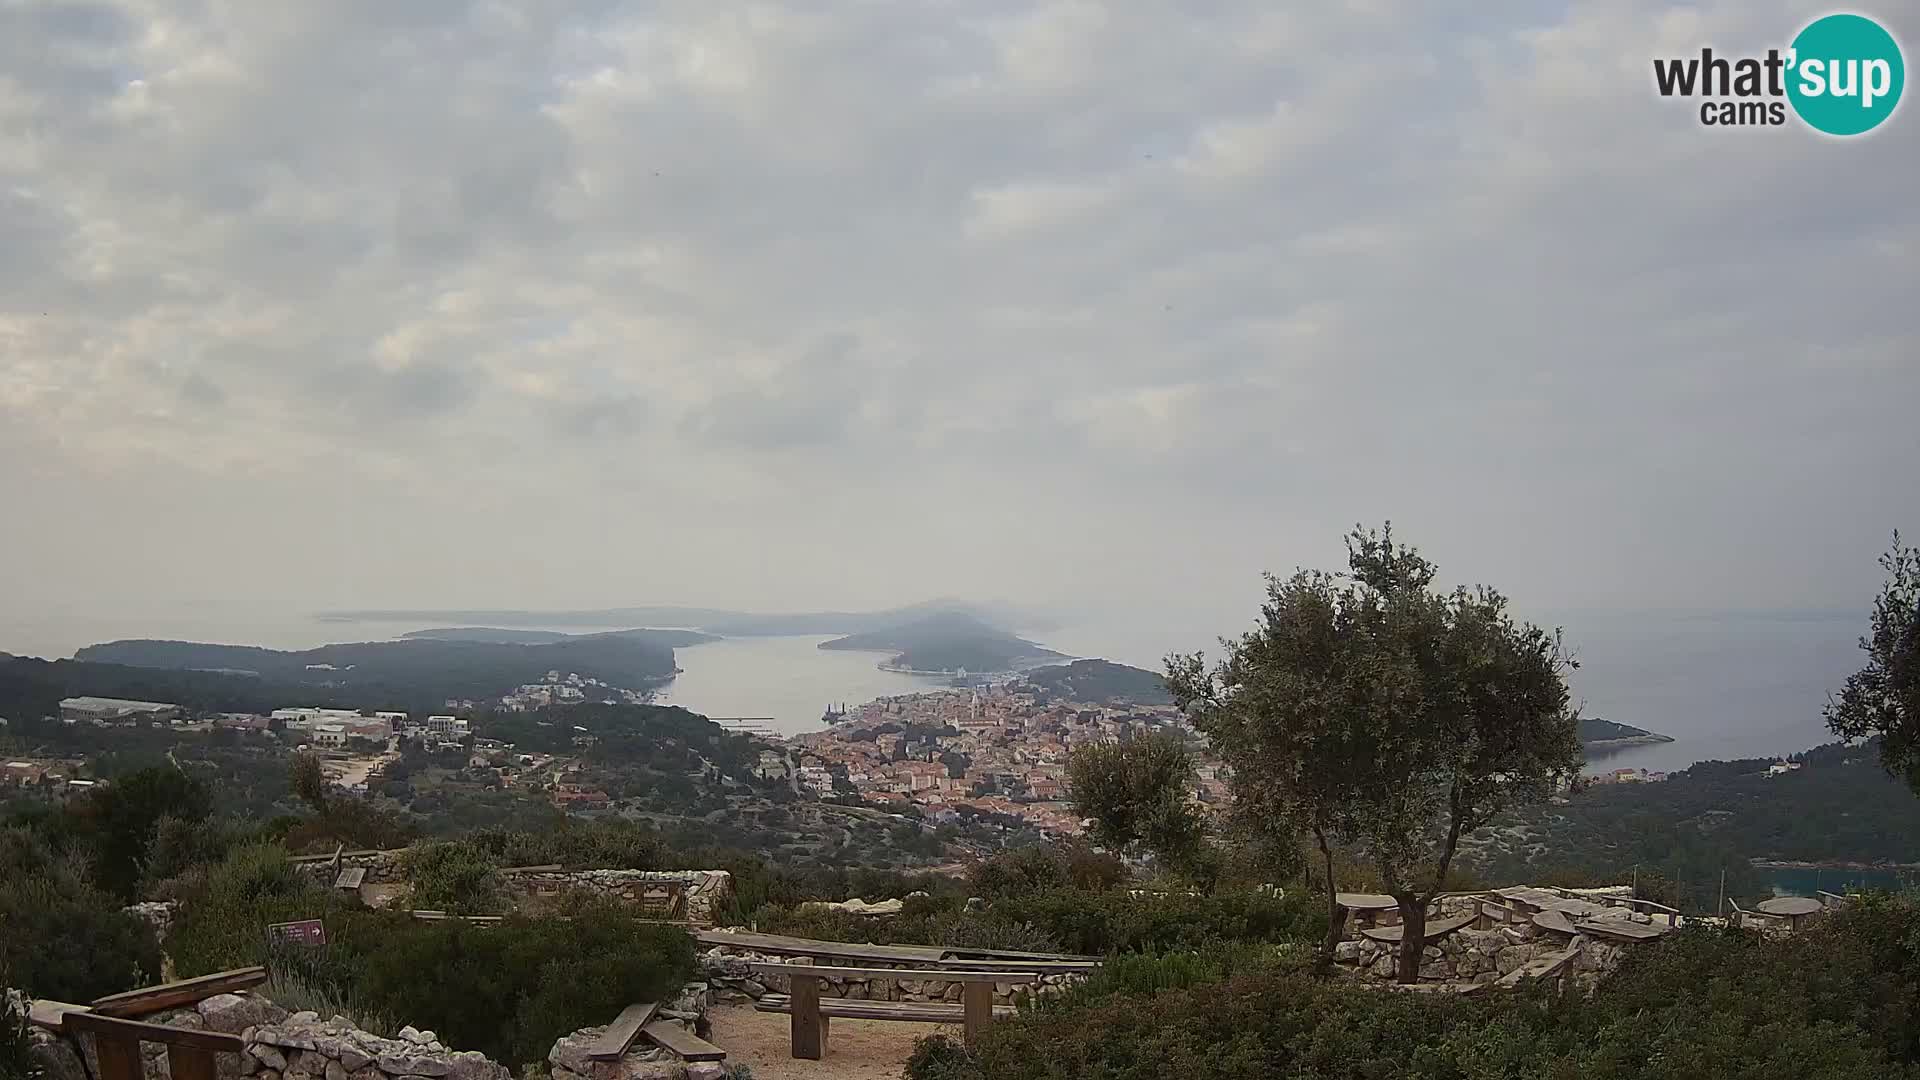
[977,998]
[809,1027]
[189,1063]
[119,1056]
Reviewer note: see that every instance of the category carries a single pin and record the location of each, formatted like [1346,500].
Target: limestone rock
[268,1055]
[57,1058]
[234,1013]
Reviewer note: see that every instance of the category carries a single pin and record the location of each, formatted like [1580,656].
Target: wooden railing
[117,1036]
[117,1042]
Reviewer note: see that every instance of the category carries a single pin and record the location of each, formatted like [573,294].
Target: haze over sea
[1724,685]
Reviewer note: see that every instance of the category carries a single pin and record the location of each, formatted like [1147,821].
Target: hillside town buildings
[996,750]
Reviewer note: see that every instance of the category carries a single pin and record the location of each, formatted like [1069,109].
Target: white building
[328,734]
[454,726]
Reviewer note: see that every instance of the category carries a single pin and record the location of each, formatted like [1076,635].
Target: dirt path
[856,1049]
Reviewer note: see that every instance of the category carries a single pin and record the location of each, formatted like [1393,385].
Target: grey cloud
[1220,281]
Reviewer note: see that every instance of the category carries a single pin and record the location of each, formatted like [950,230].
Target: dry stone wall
[706,891]
[729,971]
[568,1059]
[1482,956]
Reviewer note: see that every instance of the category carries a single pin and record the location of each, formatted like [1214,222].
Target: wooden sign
[303,932]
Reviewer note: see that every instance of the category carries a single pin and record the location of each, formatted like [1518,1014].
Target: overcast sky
[1083,305]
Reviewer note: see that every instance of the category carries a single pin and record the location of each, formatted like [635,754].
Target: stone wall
[1482,956]
[300,1046]
[280,1046]
[706,891]
[729,971]
[568,1059]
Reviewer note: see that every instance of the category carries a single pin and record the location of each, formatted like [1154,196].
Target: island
[672,639]
[945,643]
[1099,681]
[410,670]
[1608,735]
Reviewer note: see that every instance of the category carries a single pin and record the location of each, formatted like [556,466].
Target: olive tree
[1883,698]
[1139,795]
[1374,712]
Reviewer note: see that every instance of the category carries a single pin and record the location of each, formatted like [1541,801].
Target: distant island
[1607,735]
[417,669]
[722,621]
[672,639]
[1100,681]
[944,643]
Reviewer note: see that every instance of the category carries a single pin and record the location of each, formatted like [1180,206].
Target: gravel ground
[856,1049]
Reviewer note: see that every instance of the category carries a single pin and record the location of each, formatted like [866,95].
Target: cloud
[894,300]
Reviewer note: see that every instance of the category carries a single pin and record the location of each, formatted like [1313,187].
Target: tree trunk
[1336,915]
[1413,936]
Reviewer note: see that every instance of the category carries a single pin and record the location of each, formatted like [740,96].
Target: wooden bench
[810,1013]
[636,1021]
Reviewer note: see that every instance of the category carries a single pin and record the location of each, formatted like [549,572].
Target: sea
[1722,685]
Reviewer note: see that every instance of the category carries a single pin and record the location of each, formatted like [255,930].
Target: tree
[122,817]
[1137,793]
[309,781]
[1375,712]
[1883,698]
[1278,709]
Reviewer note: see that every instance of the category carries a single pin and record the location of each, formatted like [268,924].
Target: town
[998,749]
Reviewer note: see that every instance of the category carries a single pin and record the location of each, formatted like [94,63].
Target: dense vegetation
[1714,817]
[509,990]
[949,641]
[1839,1002]
[410,670]
[1100,681]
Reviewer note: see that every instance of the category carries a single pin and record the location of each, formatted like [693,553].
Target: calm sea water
[1795,881]
[1724,686]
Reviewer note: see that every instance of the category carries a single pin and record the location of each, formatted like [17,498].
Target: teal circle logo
[1845,74]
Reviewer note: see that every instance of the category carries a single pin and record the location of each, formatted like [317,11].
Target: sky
[1100,308]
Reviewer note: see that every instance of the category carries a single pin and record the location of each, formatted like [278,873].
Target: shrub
[1118,921]
[224,923]
[454,876]
[511,989]
[60,937]
[937,1057]
[1838,1001]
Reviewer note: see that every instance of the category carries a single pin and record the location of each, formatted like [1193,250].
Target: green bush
[60,937]
[512,989]
[1838,1001]
[454,876]
[1118,921]
[937,1057]
[223,924]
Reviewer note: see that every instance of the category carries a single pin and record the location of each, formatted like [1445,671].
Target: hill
[1838,807]
[947,642]
[672,639]
[1603,735]
[1100,681]
[31,687]
[722,621]
[415,670]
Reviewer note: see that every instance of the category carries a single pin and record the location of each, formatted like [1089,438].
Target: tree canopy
[1373,711]
[1883,698]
